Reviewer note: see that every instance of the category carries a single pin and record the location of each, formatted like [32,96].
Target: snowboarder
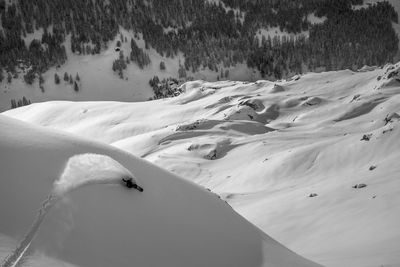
[130,184]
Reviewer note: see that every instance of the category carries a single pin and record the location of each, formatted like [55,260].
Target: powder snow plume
[85,169]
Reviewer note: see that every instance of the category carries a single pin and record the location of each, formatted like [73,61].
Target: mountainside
[109,50]
[312,160]
[99,222]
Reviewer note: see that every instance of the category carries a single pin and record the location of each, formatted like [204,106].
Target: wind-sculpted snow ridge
[80,170]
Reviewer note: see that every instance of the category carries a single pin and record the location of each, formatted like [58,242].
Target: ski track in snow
[80,170]
[18,254]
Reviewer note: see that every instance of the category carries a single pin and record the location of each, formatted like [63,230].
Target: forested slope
[215,34]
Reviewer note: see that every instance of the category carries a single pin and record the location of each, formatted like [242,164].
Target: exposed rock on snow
[366,137]
[372,167]
[358,186]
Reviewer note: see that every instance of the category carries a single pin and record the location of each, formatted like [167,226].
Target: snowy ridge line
[80,170]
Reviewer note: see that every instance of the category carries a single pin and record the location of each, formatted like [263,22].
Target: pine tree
[76,87]
[30,77]
[9,78]
[13,103]
[66,77]
[77,77]
[56,78]
[89,50]
[41,79]
[25,102]
[226,73]
[41,82]
[162,65]
[181,72]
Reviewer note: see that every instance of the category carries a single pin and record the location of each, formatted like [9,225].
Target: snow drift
[172,223]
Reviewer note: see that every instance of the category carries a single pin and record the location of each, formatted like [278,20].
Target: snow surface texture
[265,147]
[172,223]
[80,170]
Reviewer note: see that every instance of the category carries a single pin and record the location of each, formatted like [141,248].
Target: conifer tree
[56,78]
[162,65]
[76,87]
[13,103]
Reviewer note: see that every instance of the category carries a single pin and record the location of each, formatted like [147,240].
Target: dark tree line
[210,35]
[20,102]
[165,88]
[138,55]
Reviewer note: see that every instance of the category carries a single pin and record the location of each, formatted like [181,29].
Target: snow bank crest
[86,169]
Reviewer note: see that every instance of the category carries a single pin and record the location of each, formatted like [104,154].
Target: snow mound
[277,89]
[193,94]
[172,223]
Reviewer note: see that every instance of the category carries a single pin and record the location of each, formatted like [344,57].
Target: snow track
[18,254]
[80,170]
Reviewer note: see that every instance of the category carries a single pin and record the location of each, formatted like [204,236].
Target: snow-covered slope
[266,147]
[99,82]
[98,222]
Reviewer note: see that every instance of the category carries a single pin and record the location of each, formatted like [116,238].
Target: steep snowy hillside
[99,82]
[313,160]
[93,220]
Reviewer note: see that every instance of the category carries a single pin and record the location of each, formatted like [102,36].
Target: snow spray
[80,170]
